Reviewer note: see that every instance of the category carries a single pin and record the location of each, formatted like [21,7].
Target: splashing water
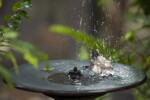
[80,24]
[88,77]
[102,66]
[81,19]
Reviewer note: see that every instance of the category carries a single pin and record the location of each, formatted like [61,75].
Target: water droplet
[83,3]
[80,22]
[102,23]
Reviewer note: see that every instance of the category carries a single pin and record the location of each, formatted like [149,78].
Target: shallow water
[124,77]
[88,78]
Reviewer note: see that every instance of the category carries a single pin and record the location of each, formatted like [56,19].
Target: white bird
[102,66]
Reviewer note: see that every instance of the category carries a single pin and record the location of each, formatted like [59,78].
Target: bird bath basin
[55,84]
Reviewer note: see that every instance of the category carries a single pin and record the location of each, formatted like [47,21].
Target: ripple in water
[88,78]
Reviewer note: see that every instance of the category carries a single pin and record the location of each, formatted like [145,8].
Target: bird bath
[55,83]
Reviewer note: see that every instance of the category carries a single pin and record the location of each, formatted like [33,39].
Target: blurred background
[102,20]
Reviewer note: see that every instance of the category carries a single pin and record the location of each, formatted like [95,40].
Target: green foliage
[1,34]
[16,17]
[8,38]
[137,17]
[29,52]
[6,75]
[14,26]
[144,5]
[138,54]
[7,18]
[24,14]
[102,1]
[89,41]
[20,5]
[136,48]
[47,68]
[14,20]
[17,6]
[130,35]
[148,60]
[30,58]
[10,56]
[8,33]
[84,54]
[27,4]
[0,3]
[104,97]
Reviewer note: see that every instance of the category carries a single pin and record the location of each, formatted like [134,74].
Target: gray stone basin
[30,79]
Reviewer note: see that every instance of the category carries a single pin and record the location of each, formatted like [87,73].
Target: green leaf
[9,34]
[31,59]
[104,97]
[148,60]
[84,54]
[146,26]
[144,4]
[134,3]
[43,56]
[102,1]
[14,61]
[135,17]
[28,51]
[16,17]
[17,6]
[27,4]
[14,25]
[1,33]
[48,68]
[129,35]
[7,18]
[0,3]
[7,76]
[24,14]
[89,41]
[21,46]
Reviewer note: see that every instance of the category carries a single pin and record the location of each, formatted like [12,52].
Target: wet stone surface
[124,77]
[87,77]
